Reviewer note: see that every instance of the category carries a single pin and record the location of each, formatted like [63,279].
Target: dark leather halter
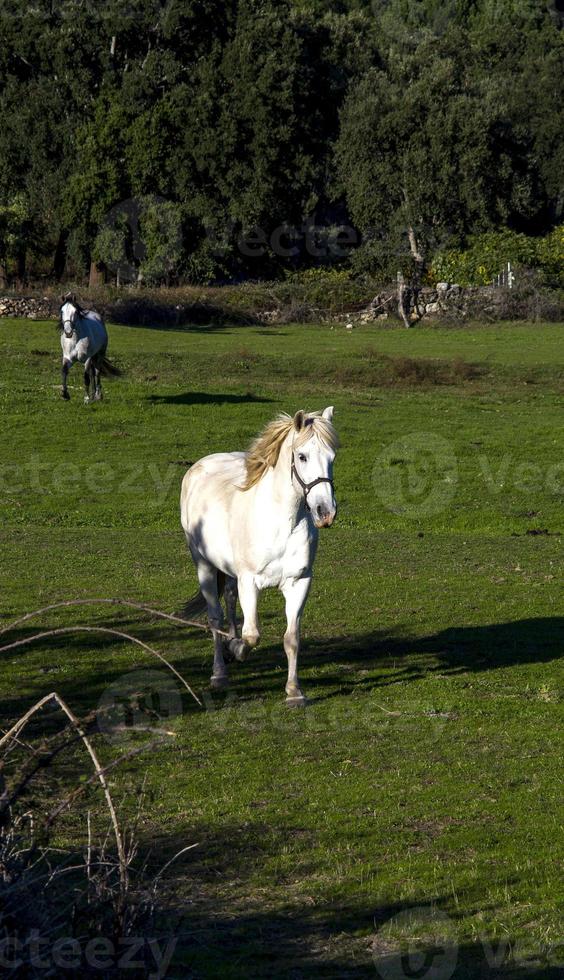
[306,487]
[79,315]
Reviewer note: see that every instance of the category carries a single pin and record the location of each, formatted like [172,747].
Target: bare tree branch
[101,629]
[111,602]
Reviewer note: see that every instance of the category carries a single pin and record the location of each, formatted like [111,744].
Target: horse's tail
[107,369]
[197,604]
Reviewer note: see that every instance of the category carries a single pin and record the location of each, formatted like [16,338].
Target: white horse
[84,338]
[251,521]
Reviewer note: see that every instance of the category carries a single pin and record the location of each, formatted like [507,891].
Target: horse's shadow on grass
[206,398]
[341,665]
[329,667]
[377,659]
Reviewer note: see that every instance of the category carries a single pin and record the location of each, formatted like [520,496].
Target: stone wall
[444,299]
[32,309]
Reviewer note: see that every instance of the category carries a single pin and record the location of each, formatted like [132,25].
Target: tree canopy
[238,125]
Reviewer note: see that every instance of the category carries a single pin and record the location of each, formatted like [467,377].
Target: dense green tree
[422,121]
[438,143]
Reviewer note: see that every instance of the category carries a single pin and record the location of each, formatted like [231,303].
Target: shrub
[324,290]
[489,253]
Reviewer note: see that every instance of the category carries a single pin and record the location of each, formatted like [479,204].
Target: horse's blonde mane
[265,448]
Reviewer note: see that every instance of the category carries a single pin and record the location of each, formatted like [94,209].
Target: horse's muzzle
[323,518]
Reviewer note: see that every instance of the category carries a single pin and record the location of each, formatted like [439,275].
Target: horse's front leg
[64,374]
[248,597]
[233,647]
[295,593]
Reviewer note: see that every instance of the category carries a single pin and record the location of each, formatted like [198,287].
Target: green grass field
[426,772]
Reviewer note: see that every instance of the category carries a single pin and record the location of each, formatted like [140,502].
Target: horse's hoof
[296,700]
[218,682]
[65,395]
[86,400]
[237,650]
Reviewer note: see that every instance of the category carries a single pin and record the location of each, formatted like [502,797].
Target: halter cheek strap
[79,315]
[306,487]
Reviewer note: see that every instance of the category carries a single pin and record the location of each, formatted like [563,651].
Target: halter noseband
[306,487]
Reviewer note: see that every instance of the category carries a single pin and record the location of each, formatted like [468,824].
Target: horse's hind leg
[207,577]
[231,605]
[97,382]
[87,380]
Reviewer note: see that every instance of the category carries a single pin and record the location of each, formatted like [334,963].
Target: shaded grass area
[426,771]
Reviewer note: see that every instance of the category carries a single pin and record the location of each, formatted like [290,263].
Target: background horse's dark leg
[97,364]
[64,373]
[87,380]
[98,361]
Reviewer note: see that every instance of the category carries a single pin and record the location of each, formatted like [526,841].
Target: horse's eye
[302,458]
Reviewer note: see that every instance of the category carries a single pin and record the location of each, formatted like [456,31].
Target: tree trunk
[414,247]
[21,267]
[404,300]
[97,274]
[60,257]
[418,268]
[417,257]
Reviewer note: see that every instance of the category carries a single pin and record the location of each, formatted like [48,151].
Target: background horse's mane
[265,449]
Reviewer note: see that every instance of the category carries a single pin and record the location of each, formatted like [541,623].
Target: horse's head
[69,314]
[314,445]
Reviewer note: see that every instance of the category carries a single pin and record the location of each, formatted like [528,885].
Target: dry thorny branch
[36,897]
[28,874]
[104,629]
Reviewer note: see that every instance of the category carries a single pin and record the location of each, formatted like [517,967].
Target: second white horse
[84,339]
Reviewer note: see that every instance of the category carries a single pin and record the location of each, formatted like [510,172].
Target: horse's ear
[299,419]
[328,413]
